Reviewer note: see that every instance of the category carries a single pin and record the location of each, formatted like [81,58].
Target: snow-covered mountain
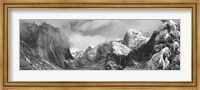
[162,49]
[134,39]
[76,53]
[133,52]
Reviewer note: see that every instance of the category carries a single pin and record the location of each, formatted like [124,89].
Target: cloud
[94,24]
[84,32]
[78,40]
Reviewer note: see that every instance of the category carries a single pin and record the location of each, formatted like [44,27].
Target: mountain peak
[132,31]
[162,51]
[133,38]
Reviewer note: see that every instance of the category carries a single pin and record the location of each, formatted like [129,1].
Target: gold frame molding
[7,4]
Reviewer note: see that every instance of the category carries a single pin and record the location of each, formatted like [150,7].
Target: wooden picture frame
[7,4]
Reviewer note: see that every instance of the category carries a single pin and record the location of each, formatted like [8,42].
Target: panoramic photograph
[99,44]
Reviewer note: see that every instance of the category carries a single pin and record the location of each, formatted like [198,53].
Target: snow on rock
[111,65]
[174,46]
[133,38]
[168,24]
[38,23]
[90,53]
[120,49]
[172,24]
[76,53]
[160,60]
[163,36]
[161,48]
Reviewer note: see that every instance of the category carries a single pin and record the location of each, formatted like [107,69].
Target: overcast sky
[84,33]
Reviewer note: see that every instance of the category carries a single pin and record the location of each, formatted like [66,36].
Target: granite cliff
[42,46]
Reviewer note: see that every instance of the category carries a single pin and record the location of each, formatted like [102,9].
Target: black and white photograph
[100,44]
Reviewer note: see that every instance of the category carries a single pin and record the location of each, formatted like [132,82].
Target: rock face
[111,65]
[120,53]
[120,49]
[46,41]
[113,54]
[30,60]
[160,59]
[161,49]
[106,55]
[90,53]
[76,53]
[134,39]
[44,44]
